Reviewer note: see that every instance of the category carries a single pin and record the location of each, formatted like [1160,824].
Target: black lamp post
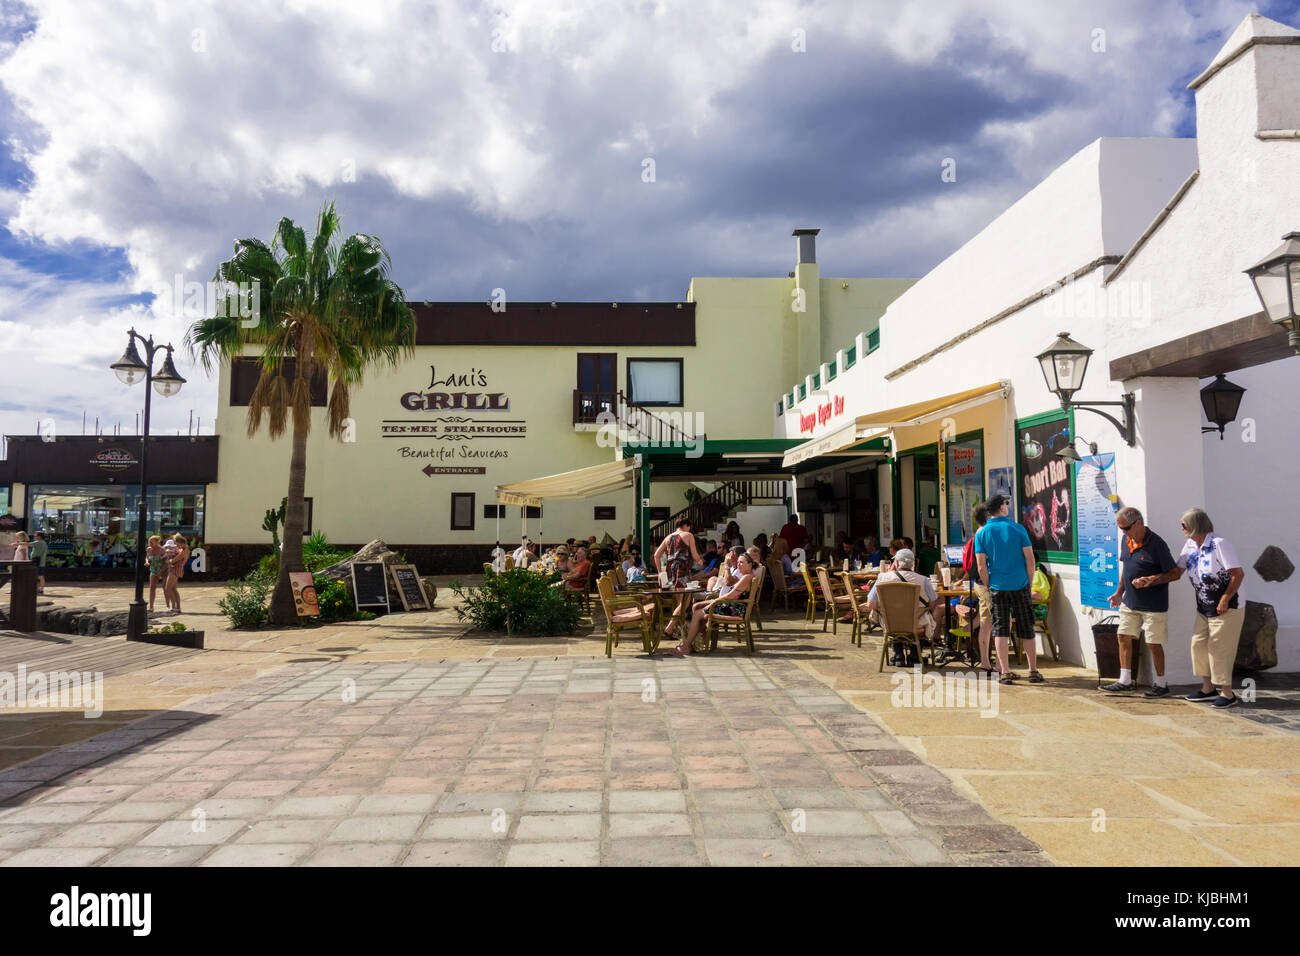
[131,369]
[1277,283]
[1221,399]
[1064,363]
[1069,454]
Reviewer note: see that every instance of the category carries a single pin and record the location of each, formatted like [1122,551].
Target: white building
[1137,247]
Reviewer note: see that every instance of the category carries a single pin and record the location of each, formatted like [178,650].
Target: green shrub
[175,627]
[335,599]
[517,601]
[245,602]
[318,554]
[267,570]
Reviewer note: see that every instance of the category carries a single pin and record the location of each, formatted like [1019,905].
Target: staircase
[720,504]
[636,423]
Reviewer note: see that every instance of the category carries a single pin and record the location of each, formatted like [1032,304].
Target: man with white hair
[904,569]
[1142,597]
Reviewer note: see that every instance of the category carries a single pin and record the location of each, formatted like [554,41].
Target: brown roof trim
[1147,233]
[564,324]
[1227,347]
[1010,310]
[1200,81]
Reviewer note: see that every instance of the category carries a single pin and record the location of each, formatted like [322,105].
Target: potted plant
[175,634]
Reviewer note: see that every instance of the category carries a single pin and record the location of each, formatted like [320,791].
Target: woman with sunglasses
[729,602]
[1216,575]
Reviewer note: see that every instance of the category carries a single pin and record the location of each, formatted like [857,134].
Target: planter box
[192,639]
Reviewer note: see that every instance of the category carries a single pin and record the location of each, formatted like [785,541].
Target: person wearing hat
[1005,557]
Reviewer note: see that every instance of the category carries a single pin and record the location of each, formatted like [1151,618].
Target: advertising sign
[1046,510]
[965,467]
[1098,536]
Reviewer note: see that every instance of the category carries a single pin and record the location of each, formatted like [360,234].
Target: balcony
[587,406]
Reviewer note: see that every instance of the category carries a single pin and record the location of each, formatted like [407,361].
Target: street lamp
[1277,283]
[1064,364]
[131,369]
[1069,454]
[1221,399]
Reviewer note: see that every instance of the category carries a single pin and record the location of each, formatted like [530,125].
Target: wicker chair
[756,587]
[780,587]
[815,594]
[624,613]
[742,624]
[858,602]
[1045,625]
[900,616]
[836,602]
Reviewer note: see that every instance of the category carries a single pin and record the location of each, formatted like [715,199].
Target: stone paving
[553,761]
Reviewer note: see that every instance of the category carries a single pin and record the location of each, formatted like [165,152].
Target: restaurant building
[442,454]
[84,492]
[1138,248]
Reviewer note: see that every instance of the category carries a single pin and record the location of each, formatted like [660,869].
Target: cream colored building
[500,393]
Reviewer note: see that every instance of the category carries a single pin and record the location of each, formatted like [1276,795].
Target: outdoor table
[687,596]
[972,650]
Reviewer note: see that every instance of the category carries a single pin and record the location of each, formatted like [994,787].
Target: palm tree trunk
[283,613]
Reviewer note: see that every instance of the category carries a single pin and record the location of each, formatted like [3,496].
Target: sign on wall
[965,473]
[1002,481]
[1098,535]
[1046,509]
[455,419]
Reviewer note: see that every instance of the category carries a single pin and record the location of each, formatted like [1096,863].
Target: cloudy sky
[503,145]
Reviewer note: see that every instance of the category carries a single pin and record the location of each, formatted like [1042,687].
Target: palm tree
[328,306]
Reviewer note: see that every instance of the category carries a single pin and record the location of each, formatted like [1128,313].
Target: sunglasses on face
[1125,527]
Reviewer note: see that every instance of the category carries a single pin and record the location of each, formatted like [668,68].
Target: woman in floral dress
[731,603]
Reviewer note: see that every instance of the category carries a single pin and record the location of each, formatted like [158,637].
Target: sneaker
[1118,688]
[1157,692]
[1222,701]
[1201,696]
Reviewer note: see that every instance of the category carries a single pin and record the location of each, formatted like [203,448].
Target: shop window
[532,512]
[655,381]
[244,373]
[604,513]
[494,511]
[462,512]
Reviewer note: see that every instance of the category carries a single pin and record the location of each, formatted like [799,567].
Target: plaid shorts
[1009,604]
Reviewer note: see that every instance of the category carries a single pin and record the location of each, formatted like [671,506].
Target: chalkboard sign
[408,587]
[370,585]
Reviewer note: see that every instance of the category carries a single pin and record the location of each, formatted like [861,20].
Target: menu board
[304,594]
[370,584]
[965,466]
[408,587]
[1045,506]
[1098,536]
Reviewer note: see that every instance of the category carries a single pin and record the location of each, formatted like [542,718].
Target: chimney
[806,245]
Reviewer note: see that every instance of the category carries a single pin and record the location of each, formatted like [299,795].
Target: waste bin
[1105,640]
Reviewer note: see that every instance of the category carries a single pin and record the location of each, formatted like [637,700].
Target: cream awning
[867,426]
[582,483]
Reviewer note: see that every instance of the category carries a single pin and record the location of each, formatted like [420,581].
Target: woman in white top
[522,555]
[1216,575]
[729,602]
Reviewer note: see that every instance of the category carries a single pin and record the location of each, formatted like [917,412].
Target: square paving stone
[286,831]
[315,806]
[716,800]
[647,801]
[553,854]
[567,801]
[728,852]
[626,825]
[851,851]
[805,799]
[269,854]
[357,854]
[559,826]
[480,802]
[55,856]
[99,834]
[50,813]
[741,824]
[985,839]
[382,803]
[894,822]
[920,850]
[182,833]
[476,827]
[389,828]
[850,823]
[652,851]
[20,837]
[156,856]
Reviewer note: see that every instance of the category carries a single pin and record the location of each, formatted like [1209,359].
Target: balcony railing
[588,405]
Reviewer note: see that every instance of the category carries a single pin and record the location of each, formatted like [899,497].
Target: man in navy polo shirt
[1005,556]
[1142,597]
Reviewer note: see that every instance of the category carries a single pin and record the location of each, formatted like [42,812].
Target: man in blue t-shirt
[1005,557]
[1142,597]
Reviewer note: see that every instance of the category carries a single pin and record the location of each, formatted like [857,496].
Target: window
[655,381]
[831,372]
[604,513]
[532,511]
[660,514]
[306,515]
[851,356]
[597,388]
[873,340]
[462,512]
[803,392]
[817,381]
[494,511]
[244,373]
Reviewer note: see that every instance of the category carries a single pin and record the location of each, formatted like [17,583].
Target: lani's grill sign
[461,394]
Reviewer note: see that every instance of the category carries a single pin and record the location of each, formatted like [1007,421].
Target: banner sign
[965,467]
[1098,535]
[1045,506]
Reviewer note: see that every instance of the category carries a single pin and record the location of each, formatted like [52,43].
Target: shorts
[1154,625]
[1012,604]
[985,602]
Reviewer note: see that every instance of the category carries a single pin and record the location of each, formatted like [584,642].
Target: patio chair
[756,588]
[624,613]
[510,561]
[741,624]
[487,568]
[780,586]
[1045,625]
[835,600]
[858,602]
[900,616]
[814,594]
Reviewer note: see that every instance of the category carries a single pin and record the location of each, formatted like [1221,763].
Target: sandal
[1036,678]
[1007,679]
[677,652]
